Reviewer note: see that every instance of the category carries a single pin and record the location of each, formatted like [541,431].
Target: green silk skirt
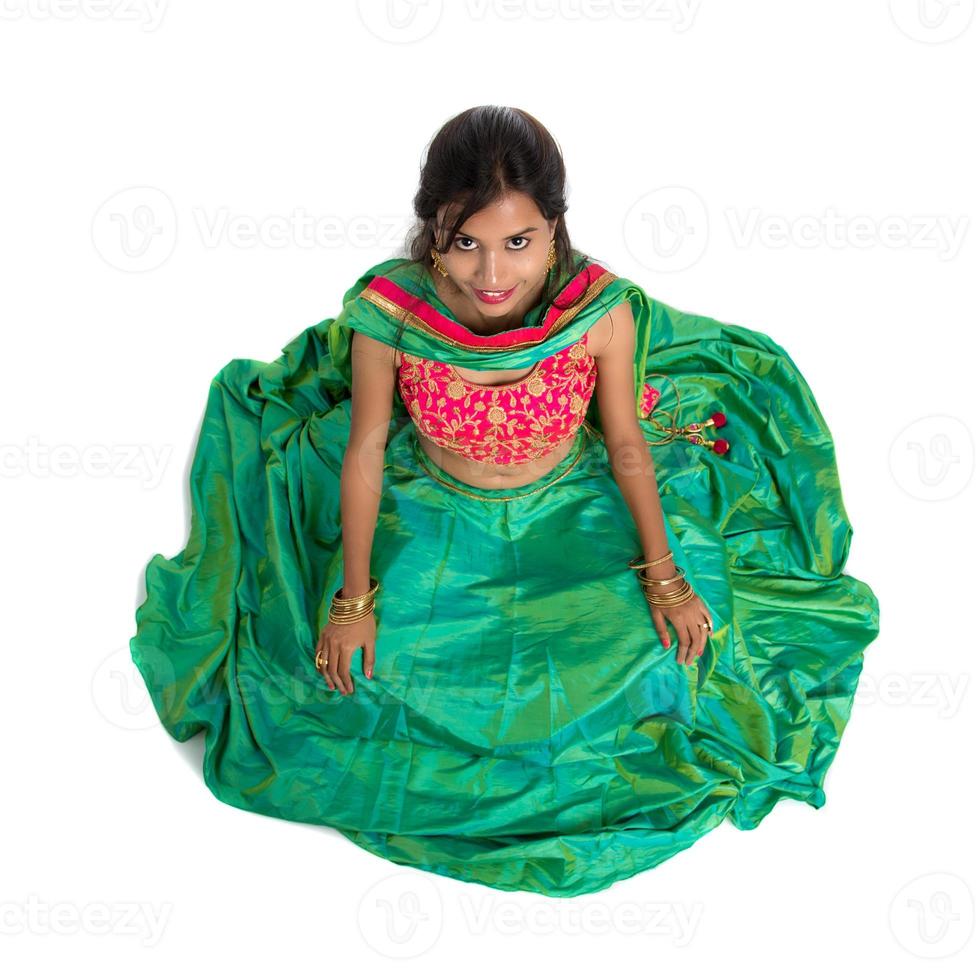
[524,728]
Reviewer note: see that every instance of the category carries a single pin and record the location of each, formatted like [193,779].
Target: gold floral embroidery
[536,386]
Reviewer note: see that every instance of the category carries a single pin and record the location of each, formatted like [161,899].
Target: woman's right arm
[372,390]
[361,476]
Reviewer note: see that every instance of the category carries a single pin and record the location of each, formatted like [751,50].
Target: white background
[765,118]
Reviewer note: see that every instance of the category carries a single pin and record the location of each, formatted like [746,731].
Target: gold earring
[437,262]
[552,256]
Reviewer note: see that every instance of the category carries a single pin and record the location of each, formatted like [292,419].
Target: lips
[494,297]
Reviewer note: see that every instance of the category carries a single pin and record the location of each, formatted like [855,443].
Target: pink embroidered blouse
[505,424]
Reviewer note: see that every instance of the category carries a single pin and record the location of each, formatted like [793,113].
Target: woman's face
[503,249]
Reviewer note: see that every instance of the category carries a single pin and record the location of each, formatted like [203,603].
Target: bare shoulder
[616,324]
[375,349]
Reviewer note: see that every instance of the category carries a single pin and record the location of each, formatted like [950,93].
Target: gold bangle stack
[354,608]
[677,597]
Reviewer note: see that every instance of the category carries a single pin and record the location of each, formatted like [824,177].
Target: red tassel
[690,430]
[720,446]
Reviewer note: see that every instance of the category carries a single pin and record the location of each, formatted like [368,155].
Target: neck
[465,310]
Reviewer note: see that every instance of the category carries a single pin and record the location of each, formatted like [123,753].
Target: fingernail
[368,672]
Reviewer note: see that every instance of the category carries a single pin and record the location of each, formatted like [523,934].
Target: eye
[516,238]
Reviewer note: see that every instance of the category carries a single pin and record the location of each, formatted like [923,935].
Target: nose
[490,269]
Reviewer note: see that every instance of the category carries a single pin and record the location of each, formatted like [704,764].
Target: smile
[493,295]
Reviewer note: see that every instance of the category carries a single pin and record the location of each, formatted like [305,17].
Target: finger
[332,668]
[343,669]
[692,642]
[660,625]
[683,641]
[706,632]
[699,644]
[367,662]
[324,668]
[695,650]
[697,637]
[702,639]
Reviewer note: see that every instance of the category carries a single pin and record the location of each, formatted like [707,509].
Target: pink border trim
[454,331]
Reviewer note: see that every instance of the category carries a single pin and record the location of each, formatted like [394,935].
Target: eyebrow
[462,234]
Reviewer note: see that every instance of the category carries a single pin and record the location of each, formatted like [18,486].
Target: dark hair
[473,160]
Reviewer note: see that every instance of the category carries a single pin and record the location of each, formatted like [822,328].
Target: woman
[583,630]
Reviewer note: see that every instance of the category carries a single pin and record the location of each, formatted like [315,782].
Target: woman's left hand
[687,619]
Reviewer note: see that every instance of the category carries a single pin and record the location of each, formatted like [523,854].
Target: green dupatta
[398,305]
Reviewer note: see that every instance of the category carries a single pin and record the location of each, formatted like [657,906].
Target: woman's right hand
[687,619]
[338,643]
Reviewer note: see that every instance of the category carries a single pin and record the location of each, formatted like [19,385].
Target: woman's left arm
[633,469]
